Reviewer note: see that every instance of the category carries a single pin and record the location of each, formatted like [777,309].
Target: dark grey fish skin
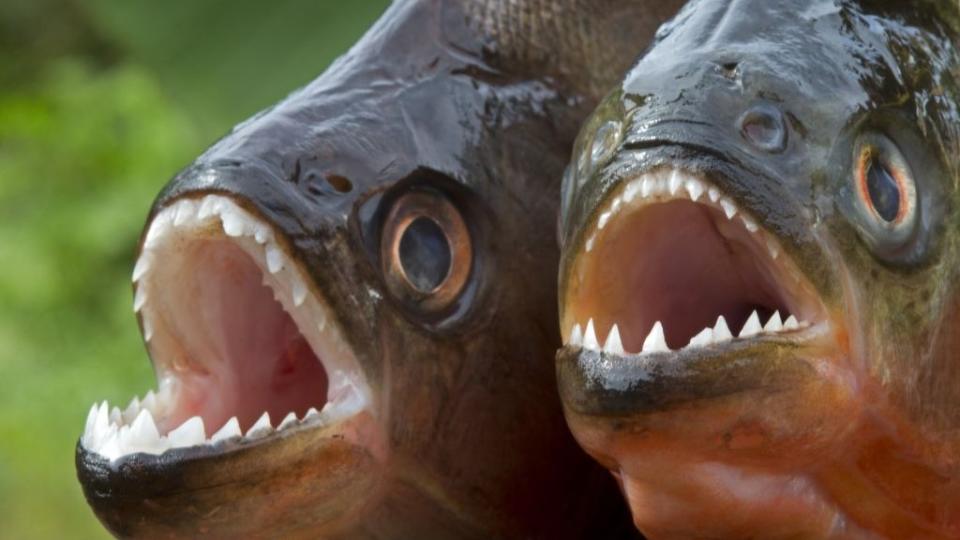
[473,105]
[831,131]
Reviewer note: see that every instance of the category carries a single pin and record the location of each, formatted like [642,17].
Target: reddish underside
[238,353]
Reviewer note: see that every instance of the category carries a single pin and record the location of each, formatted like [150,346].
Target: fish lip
[349,399]
[603,383]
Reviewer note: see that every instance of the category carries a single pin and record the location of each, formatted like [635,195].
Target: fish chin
[701,366]
[252,369]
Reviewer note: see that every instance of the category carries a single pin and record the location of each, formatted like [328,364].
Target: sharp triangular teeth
[695,189]
[774,324]
[190,433]
[752,326]
[288,420]
[613,344]
[772,247]
[656,341]
[791,323]
[261,234]
[311,413]
[139,298]
[143,436]
[87,438]
[185,211]
[132,410]
[646,187]
[631,191]
[158,228]
[750,224]
[299,291]
[604,218]
[229,430]
[714,194]
[590,337]
[142,267]
[147,329]
[576,336]
[116,417]
[206,208]
[260,428]
[274,259]
[149,401]
[729,209]
[721,332]
[233,223]
[110,446]
[704,338]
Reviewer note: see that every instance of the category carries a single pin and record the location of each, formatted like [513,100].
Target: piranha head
[348,301]
[759,287]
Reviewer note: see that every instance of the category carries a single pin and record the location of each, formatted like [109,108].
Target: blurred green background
[102,101]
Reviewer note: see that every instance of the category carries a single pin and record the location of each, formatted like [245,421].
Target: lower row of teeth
[113,434]
[656,342]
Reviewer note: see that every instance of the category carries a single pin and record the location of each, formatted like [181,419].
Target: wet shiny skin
[847,432]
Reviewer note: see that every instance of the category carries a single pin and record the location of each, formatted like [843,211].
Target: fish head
[347,301]
[758,289]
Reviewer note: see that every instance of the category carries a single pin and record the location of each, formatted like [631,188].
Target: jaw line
[221,218]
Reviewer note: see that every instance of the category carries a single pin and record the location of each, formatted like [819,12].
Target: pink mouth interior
[683,264]
[235,350]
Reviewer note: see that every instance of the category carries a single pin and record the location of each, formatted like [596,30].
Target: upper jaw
[190,415]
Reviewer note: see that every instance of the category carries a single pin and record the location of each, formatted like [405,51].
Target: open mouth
[672,264]
[244,349]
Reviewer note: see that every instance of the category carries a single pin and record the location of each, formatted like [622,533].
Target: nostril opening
[339,183]
[729,69]
[763,127]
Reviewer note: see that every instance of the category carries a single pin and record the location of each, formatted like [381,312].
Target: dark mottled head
[371,263]
[759,284]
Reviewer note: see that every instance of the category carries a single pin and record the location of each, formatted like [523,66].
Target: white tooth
[149,401]
[116,417]
[101,426]
[704,338]
[772,246]
[207,207]
[274,259]
[631,190]
[604,218]
[229,430]
[676,180]
[144,437]
[260,428]
[190,433]
[110,448]
[774,324]
[613,344]
[87,437]
[615,205]
[185,211]
[646,187]
[590,337]
[299,291]
[143,265]
[752,326]
[729,208]
[576,336]
[791,323]
[261,234]
[147,328]
[655,342]
[233,222]
[695,189]
[311,413]
[139,298]
[132,410]
[158,228]
[288,420]
[713,193]
[750,224]
[721,332]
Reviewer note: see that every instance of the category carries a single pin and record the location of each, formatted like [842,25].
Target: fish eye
[426,250]
[885,191]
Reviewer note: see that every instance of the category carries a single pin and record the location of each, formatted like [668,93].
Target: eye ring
[408,276]
[885,191]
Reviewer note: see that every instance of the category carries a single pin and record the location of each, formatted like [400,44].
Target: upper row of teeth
[676,183]
[656,342]
[235,221]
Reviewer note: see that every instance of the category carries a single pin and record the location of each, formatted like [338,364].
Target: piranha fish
[760,278]
[348,299]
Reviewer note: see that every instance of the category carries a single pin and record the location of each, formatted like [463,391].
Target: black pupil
[884,191]
[425,254]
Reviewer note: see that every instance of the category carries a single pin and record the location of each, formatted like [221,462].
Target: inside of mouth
[233,348]
[681,263]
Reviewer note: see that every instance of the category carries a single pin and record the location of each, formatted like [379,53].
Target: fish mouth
[674,268]
[247,354]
